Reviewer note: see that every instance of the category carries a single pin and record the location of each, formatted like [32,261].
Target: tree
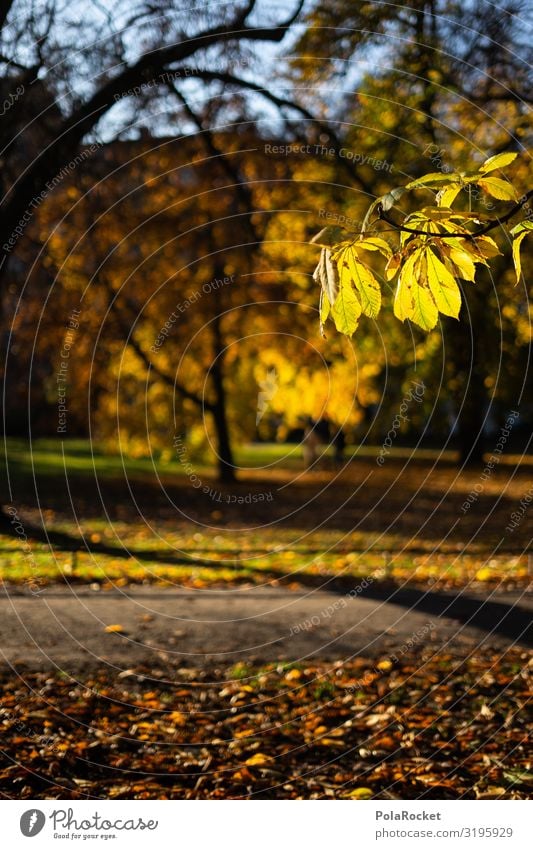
[162,248]
[437,246]
[63,77]
[448,85]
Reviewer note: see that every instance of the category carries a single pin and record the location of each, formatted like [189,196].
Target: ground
[355,633]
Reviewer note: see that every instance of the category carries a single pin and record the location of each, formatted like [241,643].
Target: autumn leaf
[259,759]
[361,793]
[442,285]
[413,298]
[346,310]
[500,160]
[498,188]
[326,275]
[353,272]
[519,233]
[430,181]
[447,196]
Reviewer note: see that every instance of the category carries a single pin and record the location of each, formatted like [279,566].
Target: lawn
[119,520]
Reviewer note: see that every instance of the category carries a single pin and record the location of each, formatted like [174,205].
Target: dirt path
[66,628]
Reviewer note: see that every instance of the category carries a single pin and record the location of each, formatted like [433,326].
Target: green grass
[183,553]
[214,560]
[48,457]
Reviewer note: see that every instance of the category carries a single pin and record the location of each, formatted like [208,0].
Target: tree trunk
[225,462]
[466,373]
[471,423]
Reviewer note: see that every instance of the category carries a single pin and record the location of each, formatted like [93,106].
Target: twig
[490,225]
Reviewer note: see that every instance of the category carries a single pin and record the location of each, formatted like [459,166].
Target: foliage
[437,248]
[424,725]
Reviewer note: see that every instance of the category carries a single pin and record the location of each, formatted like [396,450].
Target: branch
[141,353]
[490,225]
[241,188]
[5,7]
[148,67]
[280,102]
[167,378]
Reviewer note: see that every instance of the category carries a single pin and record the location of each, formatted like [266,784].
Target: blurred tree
[163,249]
[65,75]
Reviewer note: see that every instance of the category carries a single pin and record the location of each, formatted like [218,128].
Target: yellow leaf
[325,307]
[247,732]
[433,180]
[259,759]
[500,160]
[425,313]
[346,310]
[293,675]
[486,246]
[484,574]
[403,300]
[366,284]
[385,665]
[393,265]
[361,793]
[442,285]
[413,300]
[374,243]
[447,196]
[519,232]
[178,718]
[516,255]
[499,189]
[462,262]
[328,741]
[114,629]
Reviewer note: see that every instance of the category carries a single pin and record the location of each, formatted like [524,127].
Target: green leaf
[500,160]
[346,311]
[522,225]
[499,189]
